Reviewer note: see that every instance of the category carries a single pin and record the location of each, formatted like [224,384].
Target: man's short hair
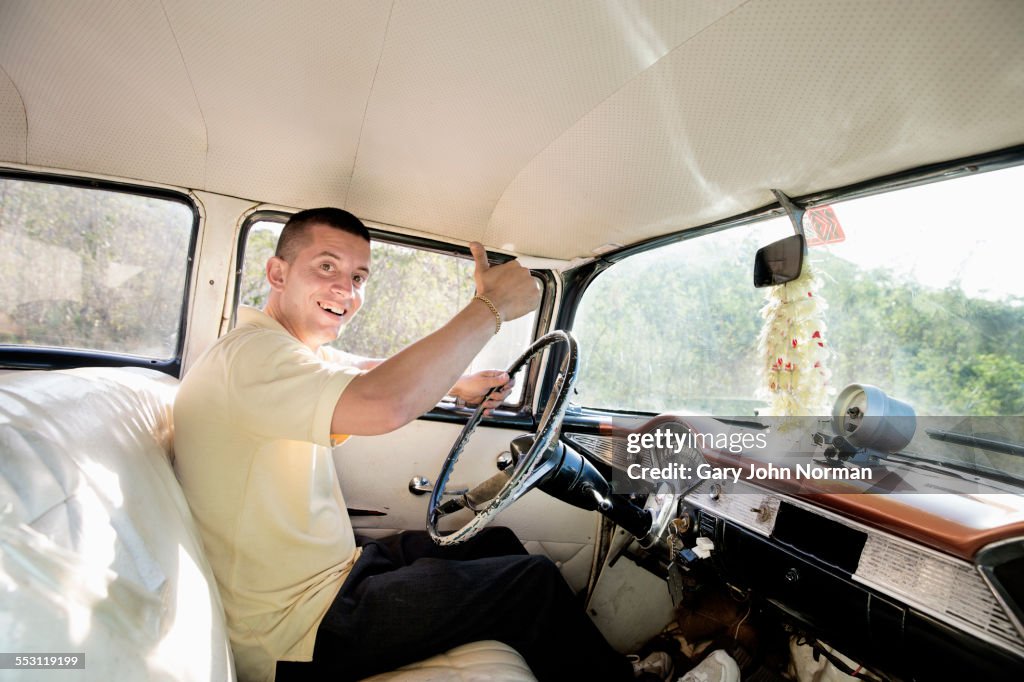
[293,235]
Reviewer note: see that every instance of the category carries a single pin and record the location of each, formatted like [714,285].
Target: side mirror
[779,262]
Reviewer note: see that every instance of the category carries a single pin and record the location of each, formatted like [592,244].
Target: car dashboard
[912,585]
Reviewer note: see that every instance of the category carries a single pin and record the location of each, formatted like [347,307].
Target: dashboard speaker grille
[943,587]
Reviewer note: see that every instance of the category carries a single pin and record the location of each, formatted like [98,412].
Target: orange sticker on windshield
[821,226]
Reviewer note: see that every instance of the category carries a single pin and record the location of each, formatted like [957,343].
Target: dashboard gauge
[866,417]
[672,443]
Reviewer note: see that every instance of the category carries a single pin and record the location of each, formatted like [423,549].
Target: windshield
[918,291]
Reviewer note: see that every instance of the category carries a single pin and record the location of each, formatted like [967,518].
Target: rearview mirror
[779,262]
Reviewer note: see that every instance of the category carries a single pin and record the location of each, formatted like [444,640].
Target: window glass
[926,297]
[411,293]
[676,328]
[91,269]
[920,294]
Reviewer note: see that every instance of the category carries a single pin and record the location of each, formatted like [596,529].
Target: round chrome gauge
[673,450]
[866,417]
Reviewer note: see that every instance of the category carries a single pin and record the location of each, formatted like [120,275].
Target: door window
[92,270]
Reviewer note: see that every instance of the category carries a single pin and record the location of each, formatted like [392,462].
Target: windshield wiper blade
[990,444]
[968,471]
[748,423]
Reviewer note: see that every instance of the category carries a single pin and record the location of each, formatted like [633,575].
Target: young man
[254,420]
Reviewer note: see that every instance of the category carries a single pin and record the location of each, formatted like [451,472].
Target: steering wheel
[507,486]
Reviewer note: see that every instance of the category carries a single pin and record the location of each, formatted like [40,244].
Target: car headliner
[546,128]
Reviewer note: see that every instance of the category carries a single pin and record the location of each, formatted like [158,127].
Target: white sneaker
[657,663]
[718,666]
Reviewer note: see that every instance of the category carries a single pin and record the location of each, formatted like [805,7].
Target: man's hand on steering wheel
[473,388]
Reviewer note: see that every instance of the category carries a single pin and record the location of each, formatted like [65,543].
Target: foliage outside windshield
[924,294]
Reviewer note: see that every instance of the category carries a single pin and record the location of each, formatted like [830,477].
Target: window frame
[577,280]
[50,357]
[519,415]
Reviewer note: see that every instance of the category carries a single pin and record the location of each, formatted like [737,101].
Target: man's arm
[470,388]
[404,386]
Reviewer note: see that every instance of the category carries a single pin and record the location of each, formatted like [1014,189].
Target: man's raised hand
[509,286]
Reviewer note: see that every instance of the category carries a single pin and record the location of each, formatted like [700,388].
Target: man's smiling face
[321,289]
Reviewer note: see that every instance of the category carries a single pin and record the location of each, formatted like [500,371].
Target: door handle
[420,485]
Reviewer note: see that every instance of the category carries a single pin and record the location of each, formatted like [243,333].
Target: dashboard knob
[792,576]
[504,460]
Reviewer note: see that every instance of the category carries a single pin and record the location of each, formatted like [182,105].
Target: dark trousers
[407,599]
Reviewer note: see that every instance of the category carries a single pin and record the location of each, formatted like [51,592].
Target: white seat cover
[98,550]
[485,661]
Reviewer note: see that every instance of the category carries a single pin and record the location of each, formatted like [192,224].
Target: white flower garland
[793,347]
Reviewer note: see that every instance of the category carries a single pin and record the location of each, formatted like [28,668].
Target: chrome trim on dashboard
[946,588]
[759,517]
[986,571]
[602,447]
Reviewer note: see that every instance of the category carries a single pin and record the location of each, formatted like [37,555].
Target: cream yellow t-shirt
[252,423]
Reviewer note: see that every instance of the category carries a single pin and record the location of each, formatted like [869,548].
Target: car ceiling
[543,127]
